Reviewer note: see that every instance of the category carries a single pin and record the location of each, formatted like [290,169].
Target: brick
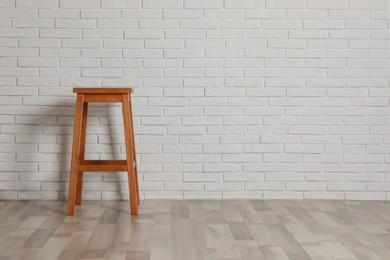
[224,13]
[203,24]
[120,3]
[245,4]
[274,14]
[183,14]
[203,4]
[374,4]
[233,99]
[162,3]
[285,4]
[307,14]
[79,4]
[37,3]
[331,4]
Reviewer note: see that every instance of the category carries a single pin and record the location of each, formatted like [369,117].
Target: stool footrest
[103,165]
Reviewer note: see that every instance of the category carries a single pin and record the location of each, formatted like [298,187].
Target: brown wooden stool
[79,165]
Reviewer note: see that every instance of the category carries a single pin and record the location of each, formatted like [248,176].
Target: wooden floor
[240,229]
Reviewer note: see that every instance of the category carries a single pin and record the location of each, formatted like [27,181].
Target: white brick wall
[272,99]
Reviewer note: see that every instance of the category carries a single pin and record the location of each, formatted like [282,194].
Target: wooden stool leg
[75,153]
[134,154]
[80,174]
[129,155]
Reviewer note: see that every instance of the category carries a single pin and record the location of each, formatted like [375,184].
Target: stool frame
[79,165]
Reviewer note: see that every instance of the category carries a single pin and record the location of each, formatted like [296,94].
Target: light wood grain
[166,230]
[103,90]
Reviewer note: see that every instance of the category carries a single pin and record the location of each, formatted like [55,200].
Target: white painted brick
[183,53]
[102,14]
[226,130]
[36,3]
[267,33]
[224,13]
[379,14]
[102,33]
[140,13]
[308,34]
[9,42]
[79,4]
[236,23]
[345,186]
[373,4]
[281,24]
[185,34]
[285,4]
[225,34]
[19,32]
[328,177]
[233,99]
[161,3]
[307,14]
[122,44]
[225,186]
[60,33]
[203,24]
[260,186]
[365,25]
[371,177]
[327,44]
[8,12]
[265,14]
[117,23]
[177,186]
[73,23]
[8,195]
[203,4]
[278,139]
[284,177]
[330,4]
[278,158]
[307,186]
[7,3]
[262,167]
[224,73]
[158,23]
[349,34]
[245,4]
[317,24]
[28,23]
[38,195]
[120,3]
[19,186]
[224,53]
[158,44]
[348,14]
[201,63]
[182,14]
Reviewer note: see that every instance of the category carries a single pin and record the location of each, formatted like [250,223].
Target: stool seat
[79,165]
[103,90]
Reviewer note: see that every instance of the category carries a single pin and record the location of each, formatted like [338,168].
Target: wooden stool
[79,165]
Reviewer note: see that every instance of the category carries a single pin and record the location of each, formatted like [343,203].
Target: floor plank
[235,229]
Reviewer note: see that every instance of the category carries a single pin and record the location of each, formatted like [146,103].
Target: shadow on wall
[44,147]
